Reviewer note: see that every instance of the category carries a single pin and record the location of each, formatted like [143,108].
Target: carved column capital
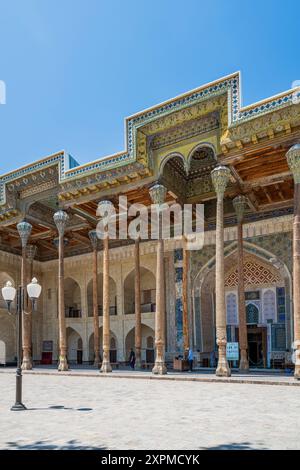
[24,229]
[158,193]
[220,177]
[93,239]
[293,159]
[60,219]
[240,203]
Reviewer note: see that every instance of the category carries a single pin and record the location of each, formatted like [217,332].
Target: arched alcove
[72,298]
[148,291]
[113,346]
[112,296]
[267,282]
[74,342]
[182,174]
[147,343]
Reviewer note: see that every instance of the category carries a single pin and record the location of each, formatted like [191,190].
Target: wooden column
[24,229]
[158,194]
[106,366]
[220,176]
[60,219]
[185,314]
[293,158]
[30,254]
[137,303]
[239,204]
[94,242]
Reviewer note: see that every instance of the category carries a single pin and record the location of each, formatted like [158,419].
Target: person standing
[191,359]
[132,359]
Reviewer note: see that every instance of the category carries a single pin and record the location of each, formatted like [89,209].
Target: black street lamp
[9,294]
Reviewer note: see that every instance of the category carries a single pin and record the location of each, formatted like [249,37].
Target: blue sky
[75,68]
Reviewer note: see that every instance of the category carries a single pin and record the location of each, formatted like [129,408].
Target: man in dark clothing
[132,359]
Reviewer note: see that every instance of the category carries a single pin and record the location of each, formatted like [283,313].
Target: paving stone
[71,412]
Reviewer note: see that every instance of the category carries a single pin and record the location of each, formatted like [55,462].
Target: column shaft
[185,317]
[26,362]
[106,366]
[137,303]
[63,364]
[160,367]
[296,277]
[95,308]
[244,364]
[223,367]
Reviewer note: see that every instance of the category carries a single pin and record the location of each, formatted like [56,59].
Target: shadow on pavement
[60,407]
[235,446]
[47,445]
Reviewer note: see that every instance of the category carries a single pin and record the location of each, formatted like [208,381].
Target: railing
[71,312]
[112,310]
[145,308]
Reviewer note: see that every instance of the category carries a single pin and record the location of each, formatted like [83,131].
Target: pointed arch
[209,155]
[74,342]
[203,289]
[148,291]
[113,346]
[112,295]
[72,298]
[170,156]
[147,351]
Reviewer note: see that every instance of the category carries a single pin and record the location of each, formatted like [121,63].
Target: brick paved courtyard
[66,412]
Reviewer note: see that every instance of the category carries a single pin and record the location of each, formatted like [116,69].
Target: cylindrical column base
[63,363]
[106,365]
[244,363]
[297,360]
[26,363]
[97,361]
[223,369]
[138,360]
[160,367]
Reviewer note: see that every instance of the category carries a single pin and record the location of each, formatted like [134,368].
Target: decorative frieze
[227,87]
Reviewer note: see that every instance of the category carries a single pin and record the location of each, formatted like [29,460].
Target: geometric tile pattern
[254,274]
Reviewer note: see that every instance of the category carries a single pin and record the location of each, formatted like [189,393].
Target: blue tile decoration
[278,337]
[178,255]
[281,309]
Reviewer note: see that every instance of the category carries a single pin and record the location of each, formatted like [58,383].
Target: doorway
[79,356]
[257,346]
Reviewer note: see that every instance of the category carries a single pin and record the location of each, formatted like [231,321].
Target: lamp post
[24,229]
[9,294]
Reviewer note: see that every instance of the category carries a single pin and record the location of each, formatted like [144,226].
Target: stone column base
[63,364]
[106,367]
[26,364]
[97,360]
[244,363]
[223,369]
[159,368]
[138,363]
[297,372]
